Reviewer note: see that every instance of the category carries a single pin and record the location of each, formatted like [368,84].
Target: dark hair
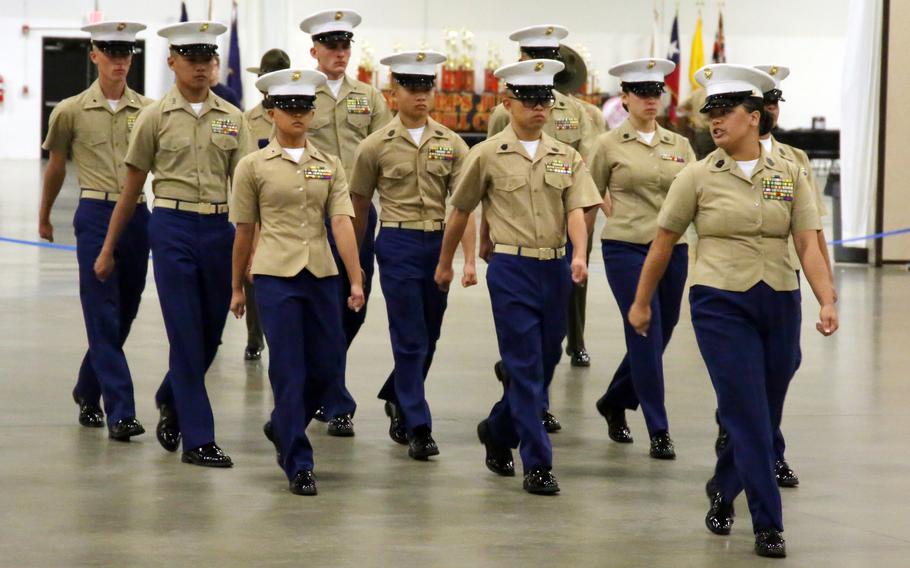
[765,121]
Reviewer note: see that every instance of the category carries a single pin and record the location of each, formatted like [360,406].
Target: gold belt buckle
[208,208]
[429,226]
[546,254]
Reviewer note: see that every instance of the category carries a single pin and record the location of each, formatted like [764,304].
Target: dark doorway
[67,71]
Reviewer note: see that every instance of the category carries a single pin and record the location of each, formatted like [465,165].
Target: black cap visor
[532,92]
[725,100]
[541,52]
[413,82]
[290,102]
[774,96]
[644,89]
[196,49]
[116,48]
[334,37]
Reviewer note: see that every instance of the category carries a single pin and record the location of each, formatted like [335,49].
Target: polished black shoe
[662,447]
[422,445]
[499,458]
[723,437]
[90,415]
[397,431]
[499,369]
[786,477]
[540,481]
[252,353]
[769,543]
[209,455]
[124,429]
[270,436]
[320,415]
[719,519]
[581,358]
[550,423]
[341,426]
[304,483]
[168,430]
[617,428]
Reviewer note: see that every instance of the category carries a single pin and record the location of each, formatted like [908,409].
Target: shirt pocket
[321,120]
[93,139]
[440,168]
[556,185]
[391,179]
[507,192]
[225,141]
[359,121]
[172,152]
[566,128]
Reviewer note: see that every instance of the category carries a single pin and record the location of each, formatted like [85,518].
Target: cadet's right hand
[486,250]
[238,303]
[640,319]
[827,323]
[444,277]
[46,231]
[104,266]
[357,299]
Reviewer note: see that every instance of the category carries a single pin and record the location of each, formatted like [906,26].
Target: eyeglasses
[531,104]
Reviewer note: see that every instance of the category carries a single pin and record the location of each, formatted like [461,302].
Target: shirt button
[757,204]
[299,189]
[298,171]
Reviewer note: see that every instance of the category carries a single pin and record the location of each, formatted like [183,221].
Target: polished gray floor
[71,497]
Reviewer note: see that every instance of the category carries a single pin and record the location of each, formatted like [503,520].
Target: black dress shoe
[320,415]
[168,430]
[396,426]
[769,543]
[581,358]
[304,483]
[662,447]
[341,426]
[617,428]
[270,436]
[550,423]
[124,429]
[719,519]
[499,369]
[540,481]
[209,455]
[252,353]
[90,415]
[422,445]
[499,458]
[786,477]
[723,437]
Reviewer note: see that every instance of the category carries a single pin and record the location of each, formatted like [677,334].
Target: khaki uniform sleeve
[143,140]
[365,171]
[381,113]
[804,213]
[679,208]
[60,130]
[691,158]
[810,174]
[338,201]
[600,167]
[499,119]
[245,193]
[471,186]
[461,153]
[583,193]
[246,145]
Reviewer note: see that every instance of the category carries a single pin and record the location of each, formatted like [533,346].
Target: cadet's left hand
[579,271]
[356,299]
[640,319]
[827,323]
[238,303]
[469,278]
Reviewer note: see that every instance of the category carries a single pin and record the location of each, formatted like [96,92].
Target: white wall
[807,35]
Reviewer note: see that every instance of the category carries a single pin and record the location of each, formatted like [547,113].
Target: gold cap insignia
[708,74]
[203,27]
[549,31]
[295,76]
[121,26]
[421,56]
[338,15]
[539,66]
[773,71]
[651,64]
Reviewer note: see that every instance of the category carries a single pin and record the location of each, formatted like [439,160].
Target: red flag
[719,55]
[672,80]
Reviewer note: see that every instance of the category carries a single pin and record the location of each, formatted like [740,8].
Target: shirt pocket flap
[398,171]
[174,144]
[359,120]
[559,181]
[225,141]
[439,167]
[509,183]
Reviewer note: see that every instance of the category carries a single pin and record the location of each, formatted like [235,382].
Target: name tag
[131,121]
[672,158]
[777,188]
[317,172]
[566,124]
[559,167]
[358,105]
[444,153]
[225,126]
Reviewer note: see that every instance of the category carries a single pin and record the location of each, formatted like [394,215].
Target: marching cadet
[191,141]
[288,188]
[347,111]
[745,295]
[570,81]
[260,124]
[94,126]
[413,162]
[535,191]
[635,164]
[786,477]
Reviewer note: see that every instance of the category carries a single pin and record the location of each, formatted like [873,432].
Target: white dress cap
[777,72]
[291,82]
[643,70]
[414,62]
[114,31]
[331,21]
[547,35]
[532,72]
[724,78]
[193,33]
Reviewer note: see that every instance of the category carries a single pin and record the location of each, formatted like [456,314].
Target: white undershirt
[767,144]
[197,107]
[530,147]
[295,153]
[113,104]
[417,134]
[335,86]
[748,167]
[647,136]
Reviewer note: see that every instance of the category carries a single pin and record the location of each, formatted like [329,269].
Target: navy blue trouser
[639,379]
[407,264]
[529,299]
[338,400]
[191,257]
[109,307]
[306,356]
[749,341]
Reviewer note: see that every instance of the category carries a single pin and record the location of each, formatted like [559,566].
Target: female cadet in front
[745,296]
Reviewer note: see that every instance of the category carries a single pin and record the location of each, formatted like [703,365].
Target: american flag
[672,80]
[719,55]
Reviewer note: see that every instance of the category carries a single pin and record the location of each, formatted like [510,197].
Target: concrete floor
[71,497]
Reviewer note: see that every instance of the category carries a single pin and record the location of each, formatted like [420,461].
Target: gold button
[757,204]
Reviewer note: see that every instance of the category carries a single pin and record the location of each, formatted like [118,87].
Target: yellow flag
[697,56]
